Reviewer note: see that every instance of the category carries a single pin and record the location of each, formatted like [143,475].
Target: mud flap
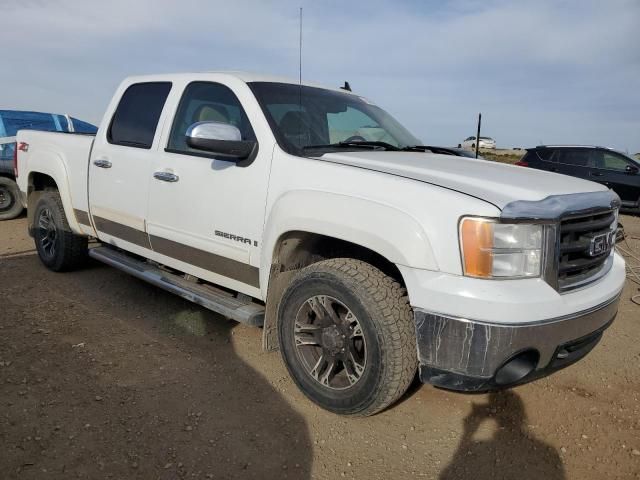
[278,282]
[32,200]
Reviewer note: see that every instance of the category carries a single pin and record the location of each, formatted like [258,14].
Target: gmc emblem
[600,244]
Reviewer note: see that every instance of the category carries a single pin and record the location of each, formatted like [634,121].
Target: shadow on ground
[104,376]
[512,451]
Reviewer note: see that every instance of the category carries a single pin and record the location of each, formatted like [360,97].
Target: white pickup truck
[314,214]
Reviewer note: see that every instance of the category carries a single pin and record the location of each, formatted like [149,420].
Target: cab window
[135,120]
[207,102]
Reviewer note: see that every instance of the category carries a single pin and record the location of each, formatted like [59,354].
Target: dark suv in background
[603,165]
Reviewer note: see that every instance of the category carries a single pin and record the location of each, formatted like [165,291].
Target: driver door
[206,214]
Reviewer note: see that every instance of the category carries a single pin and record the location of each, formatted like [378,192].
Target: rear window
[546,154]
[17,120]
[136,118]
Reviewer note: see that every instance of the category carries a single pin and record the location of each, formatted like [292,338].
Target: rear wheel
[58,247]
[10,206]
[347,336]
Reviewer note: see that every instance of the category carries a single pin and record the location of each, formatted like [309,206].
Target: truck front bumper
[476,356]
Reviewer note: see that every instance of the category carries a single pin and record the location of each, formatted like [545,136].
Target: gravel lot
[103,376]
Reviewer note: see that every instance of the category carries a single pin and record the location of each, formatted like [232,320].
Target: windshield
[308,119]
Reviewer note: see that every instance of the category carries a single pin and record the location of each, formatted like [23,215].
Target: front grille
[576,264]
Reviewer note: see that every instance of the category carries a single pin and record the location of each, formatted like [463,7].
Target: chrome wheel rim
[330,342]
[48,232]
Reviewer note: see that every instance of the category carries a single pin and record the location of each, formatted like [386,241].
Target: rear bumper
[475,356]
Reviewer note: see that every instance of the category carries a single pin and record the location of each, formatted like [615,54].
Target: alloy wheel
[48,232]
[329,342]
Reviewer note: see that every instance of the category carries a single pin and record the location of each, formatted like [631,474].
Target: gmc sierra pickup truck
[312,213]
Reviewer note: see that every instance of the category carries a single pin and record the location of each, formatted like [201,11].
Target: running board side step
[241,309]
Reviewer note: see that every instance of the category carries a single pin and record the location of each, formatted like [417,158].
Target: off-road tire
[10,206]
[381,306]
[71,250]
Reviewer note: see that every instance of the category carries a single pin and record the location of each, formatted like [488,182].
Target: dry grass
[508,156]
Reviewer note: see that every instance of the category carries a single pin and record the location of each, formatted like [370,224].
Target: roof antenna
[302,123]
[346,86]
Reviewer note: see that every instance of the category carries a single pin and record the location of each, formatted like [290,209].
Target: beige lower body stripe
[82,217]
[211,262]
[123,232]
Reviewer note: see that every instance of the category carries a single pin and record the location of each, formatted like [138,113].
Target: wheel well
[40,181]
[298,249]
[295,250]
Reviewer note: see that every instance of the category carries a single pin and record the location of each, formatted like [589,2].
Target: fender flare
[386,230]
[52,165]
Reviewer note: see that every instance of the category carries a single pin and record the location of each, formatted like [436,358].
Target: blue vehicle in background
[11,205]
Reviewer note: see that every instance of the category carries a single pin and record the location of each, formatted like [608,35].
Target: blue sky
[539,71]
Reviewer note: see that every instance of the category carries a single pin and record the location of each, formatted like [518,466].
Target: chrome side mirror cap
[220,138]
[214,131]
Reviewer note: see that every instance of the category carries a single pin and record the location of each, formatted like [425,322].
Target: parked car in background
[618,171]
[485,142]
[11,205]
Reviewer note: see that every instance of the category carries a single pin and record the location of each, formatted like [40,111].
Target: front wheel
[58,247]
[347,336]
[10,206]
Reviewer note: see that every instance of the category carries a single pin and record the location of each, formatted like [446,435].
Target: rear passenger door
[576,162]
[119,166]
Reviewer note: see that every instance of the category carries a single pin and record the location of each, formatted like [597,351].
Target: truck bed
[51,152]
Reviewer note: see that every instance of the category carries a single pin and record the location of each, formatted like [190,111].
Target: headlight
[500,250]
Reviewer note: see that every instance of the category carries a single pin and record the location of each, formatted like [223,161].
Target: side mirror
[221,138]
[631,169]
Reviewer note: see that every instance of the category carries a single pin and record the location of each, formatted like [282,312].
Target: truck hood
[494,182]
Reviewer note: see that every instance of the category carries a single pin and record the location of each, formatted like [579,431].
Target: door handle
[102,163]
[166,176]
[596,174]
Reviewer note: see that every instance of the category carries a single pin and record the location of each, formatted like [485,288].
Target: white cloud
[551,70]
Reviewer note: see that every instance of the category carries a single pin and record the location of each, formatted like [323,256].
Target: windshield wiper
[417,148]
[356,143]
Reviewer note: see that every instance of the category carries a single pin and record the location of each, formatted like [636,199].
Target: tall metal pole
[478,134]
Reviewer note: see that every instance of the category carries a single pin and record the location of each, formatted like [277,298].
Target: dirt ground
[104,376]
